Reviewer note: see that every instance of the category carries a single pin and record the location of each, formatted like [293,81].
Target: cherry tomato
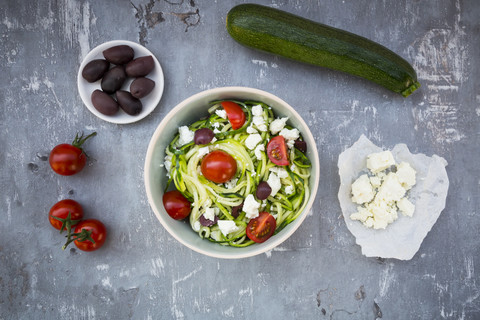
[235,114]
[87,230]
[176,205]
[218,166]
[277,151]
[68,159]
[261,228]
[65,213]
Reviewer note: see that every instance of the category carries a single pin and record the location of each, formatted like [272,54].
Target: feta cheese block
[362,190]
[380,161]
[406,175]
[391,189]
[227,226]
[274,183]
[252,141]
[258,151]
[186,135]
[290,136]
[209,214]
[251,206]
[277,125]
[406,207]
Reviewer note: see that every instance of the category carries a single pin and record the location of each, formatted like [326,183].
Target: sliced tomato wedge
[277,151]
[261,228]
[235,114]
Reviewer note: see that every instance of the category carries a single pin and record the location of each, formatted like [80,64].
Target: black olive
[301,145]
[263,190]
[203,136]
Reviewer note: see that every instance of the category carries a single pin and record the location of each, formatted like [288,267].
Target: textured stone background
[319,273]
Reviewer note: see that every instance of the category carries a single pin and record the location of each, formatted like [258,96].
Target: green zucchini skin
[281,33]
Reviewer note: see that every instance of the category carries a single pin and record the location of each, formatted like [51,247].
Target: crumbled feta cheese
[380,161]
[257,110]
[406,175]
[362,214]
[186,135]
[290,136]
[362,190]
[281,172]
[232,183]
[227,226]
[252,141]
[221,113]
[197,226]
[258,151]
[259,122]
[209,214]
[293,167]
[274,183]
[203,152]
[391,189]
[277,125]
[289,189]
[251,129]
[216,124]
[250,207]
[253,174]
[215,130]
[168,162]
[406,207]
[387,191]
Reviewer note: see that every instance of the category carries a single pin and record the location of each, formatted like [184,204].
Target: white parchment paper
[401,239]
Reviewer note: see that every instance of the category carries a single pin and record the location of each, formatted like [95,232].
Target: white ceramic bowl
[186,113]
[149,102]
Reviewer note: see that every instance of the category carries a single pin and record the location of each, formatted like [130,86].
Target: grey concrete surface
[318,273]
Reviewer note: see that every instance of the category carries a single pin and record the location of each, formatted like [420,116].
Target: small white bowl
[186,113]
[149,102]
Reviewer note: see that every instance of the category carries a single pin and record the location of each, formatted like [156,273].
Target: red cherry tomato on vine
[88,230]
[65,213]
[68,159]
[235,114]
[261,228]
[176,205]
[218,166]
[277,151]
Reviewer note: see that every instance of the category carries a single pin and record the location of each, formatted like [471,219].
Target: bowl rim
[116,119]
[268,245]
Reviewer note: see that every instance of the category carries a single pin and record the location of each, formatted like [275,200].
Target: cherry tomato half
[68,159]
[61,210]
[235,114]
[218,166]
[261,228]
[277,151]
[96,231]
[176,205]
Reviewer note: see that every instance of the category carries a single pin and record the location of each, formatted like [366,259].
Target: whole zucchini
[294,37]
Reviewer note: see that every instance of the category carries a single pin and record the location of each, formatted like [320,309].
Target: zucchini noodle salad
[240,174]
